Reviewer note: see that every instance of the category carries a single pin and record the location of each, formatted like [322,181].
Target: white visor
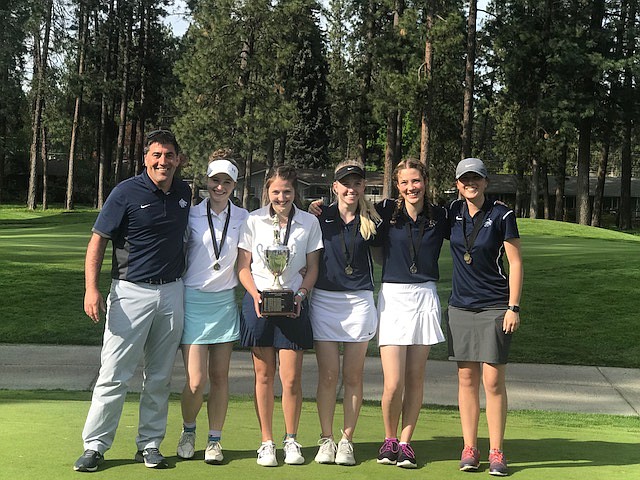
[223,166]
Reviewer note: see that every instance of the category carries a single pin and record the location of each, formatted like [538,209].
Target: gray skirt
[477,335]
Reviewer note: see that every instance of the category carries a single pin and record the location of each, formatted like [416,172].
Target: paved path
[536,387]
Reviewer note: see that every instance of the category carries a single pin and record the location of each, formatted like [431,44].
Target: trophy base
[277,302]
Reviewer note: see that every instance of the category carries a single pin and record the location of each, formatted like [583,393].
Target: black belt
[159,281]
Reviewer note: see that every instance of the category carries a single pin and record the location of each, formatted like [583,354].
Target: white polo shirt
[201,256]
[305,237]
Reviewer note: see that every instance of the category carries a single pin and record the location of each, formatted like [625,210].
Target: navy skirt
[279,332]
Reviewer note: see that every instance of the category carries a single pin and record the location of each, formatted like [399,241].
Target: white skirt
[343,316]
[409,314]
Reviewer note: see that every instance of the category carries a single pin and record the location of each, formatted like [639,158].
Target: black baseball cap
[348,170]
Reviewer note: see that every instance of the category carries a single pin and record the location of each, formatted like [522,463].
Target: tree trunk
[426,107]
[397,151]
[584,161]
[248,170]
[40,58]
[138,163]
[105,158]
[125,45]
[389,153]
[45,167]
[519,191]
[625,221]
[271,151]
[4,78]
[598,196]
[586,123]
[534,187]
[544,174]
[83,21]
[364,112]
[469,77]
[559,213]
[247,104]
[282,149]
[133,144]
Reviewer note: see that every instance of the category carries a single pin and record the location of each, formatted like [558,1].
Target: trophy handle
[260,250]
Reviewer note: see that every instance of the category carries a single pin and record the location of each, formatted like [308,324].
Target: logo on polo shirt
[328,220]
[145,206]
[488,223]
[183,203]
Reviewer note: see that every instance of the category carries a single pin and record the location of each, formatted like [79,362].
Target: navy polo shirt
[146,227]
[332,275]
[397,247]
[484,283]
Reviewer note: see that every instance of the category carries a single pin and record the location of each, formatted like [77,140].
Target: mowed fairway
[579,304]
[40,439]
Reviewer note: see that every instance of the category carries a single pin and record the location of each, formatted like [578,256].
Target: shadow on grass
[545,453]
[522,454]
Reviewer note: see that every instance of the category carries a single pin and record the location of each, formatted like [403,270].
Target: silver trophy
[276,300]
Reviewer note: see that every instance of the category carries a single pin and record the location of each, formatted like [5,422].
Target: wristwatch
[514,308]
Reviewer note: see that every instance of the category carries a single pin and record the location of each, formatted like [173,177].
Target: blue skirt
[210,317]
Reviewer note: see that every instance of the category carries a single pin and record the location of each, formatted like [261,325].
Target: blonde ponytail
[369,218]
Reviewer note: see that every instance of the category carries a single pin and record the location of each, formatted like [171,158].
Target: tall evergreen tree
[13,17]
[302,66]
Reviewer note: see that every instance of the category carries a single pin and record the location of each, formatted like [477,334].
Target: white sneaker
[292,452]
[344,455]
[327,451]
[213,453]
[187,445]
[267,455]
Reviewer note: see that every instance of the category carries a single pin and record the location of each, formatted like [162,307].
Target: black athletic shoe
[88,461]
[389,450]
[152,458]
[406,457]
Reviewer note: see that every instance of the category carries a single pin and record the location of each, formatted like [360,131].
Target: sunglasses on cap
[156,133]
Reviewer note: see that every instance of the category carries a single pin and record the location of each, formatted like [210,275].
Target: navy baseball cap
[474,165]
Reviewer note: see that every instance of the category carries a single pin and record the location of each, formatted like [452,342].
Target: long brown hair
[424,173]
[287,173]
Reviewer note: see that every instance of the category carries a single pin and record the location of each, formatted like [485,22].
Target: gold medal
[413,269]
[216,266]
[467,258]
[348,270]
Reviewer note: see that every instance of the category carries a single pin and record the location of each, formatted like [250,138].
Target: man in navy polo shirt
[145,218]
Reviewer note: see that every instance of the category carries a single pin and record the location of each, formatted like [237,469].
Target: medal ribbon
[477,225]
[224,230]
[348,257]
[277,225]
[421,221]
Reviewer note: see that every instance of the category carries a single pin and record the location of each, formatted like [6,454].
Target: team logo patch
[183,203]
[488,223]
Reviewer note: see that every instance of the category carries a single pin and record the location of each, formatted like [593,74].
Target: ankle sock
[189,427]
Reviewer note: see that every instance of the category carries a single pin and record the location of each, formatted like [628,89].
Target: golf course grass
[579,302]
[579,307]
[40,439]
